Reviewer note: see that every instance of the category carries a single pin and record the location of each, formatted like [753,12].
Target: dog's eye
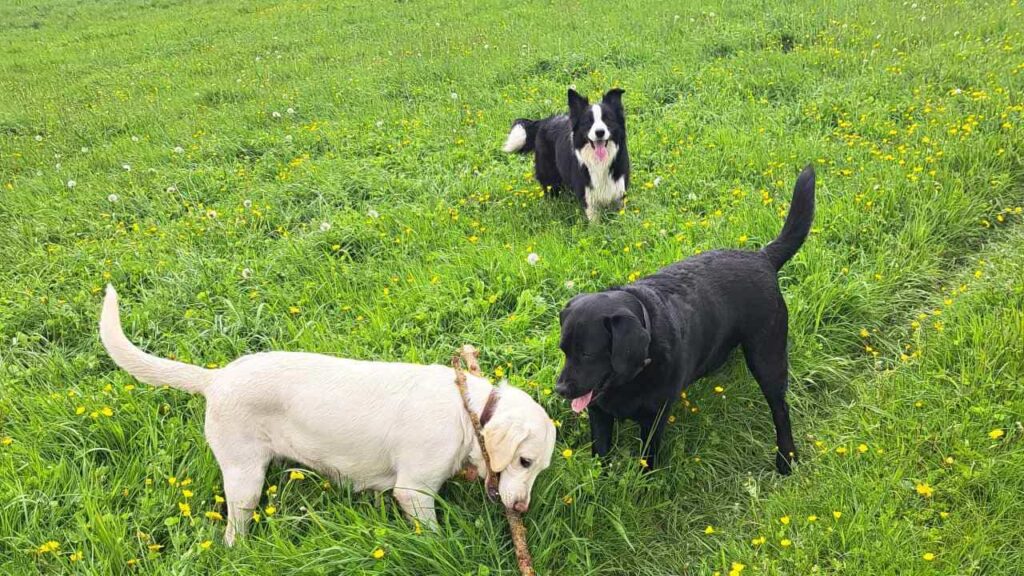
[526,462]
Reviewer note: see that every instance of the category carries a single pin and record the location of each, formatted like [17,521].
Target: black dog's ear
[577,104]
[613,97]
[629,344]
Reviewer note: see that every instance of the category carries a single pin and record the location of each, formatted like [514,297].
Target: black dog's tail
[798,221]
[521,136]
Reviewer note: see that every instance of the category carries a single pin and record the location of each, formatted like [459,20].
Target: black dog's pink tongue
[600,150]
[580,404]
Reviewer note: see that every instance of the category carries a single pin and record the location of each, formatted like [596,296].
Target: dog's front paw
[784,462]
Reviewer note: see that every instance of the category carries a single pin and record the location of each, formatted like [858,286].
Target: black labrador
[631,350]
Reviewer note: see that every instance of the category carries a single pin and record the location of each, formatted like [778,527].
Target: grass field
[327,177]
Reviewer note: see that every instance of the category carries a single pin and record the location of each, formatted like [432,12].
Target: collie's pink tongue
[600,150]
[580,404]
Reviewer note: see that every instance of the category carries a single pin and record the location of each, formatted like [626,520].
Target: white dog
[379,425]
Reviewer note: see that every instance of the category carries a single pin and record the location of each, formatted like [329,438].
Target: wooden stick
[470,356]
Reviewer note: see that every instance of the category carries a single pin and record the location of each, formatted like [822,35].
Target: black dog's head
[605,344]
[598,130]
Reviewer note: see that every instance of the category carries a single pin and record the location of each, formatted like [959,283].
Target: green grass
[389,120]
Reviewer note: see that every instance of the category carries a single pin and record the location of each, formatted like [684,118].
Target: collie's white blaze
[599,131]
[516,139]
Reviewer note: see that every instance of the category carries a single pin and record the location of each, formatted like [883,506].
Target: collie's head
[598,130]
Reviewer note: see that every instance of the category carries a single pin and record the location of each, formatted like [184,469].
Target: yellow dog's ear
[502,439]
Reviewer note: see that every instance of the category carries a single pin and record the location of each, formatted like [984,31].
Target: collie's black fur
[631,350]
[583,151]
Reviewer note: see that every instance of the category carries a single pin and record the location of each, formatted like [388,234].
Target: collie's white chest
[603,190]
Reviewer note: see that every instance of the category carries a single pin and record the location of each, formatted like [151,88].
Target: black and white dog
[584,151]
[631,350]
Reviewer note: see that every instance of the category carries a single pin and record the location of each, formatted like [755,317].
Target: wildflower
[293,310]
[567,500]
[185,509]
[532,258]
[270,510]
[48,547]
[837,514]
[719,390]
[864,333]
[290,110]
[378,553]
[126,167]
[255,516]
[784,520]
[736,568]
[173,481]
[709,530]
[179,150]
[924,490]
[296,475]
[499,372]
[112,198]
[325,226]
[373,213]
[758,541]
[76,556]
[186,493]
[215,516]
[643,463]
[218,499]
[246,273]
[275,114]
[996,434]
[72,183]
[862,448]
[155,547]
[785,542]
[205,544]
[6,441]
[841,450]
[928,556]
[107,411]
[812,518]
[567,453]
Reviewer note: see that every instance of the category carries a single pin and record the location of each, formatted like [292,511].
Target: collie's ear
[577,104]
[613,97]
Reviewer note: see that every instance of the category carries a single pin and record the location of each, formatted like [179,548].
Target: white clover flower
[532,258]
[127,167]
[288,138]
[112,198]
[290,110]
[455,96]
[179,150]
[373,213]
[275,114]
[39,137]
[172,189]
[72,183]
[569,284]
[211,214]
[85,149]
[135,138]
[246,273]
[247,203]
[325,226]
[657,181]
[380,123]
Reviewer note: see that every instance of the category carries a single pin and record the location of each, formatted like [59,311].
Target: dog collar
[489,406]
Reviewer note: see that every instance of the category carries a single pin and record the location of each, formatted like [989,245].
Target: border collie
[584,151]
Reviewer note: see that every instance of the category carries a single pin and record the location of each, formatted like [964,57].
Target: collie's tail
[521,136]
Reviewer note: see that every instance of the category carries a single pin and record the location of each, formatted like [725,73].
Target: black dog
[584,151]
[630,351]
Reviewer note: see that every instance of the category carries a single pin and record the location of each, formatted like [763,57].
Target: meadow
[327,177]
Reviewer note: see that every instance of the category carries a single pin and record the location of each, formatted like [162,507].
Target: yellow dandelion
[296,475]
[928,556]
[270,510]
[996,434]
[924,490]
[6,441]
[709,530]
[155,547]
[80,410]
[862,448]
[567,500]
[812,518]
[864,333]
[185,509]
[499,372]
[107,411]
[218,499]
[293,310]
[837,514]
[841,450]
[719,389]
[759,541]
[567,453]
[205,544]
[255,516]
[186,493]
[378,553]
[76,556]
[48,547]
[784,520]
[215,516]
[785,542]
[643,463]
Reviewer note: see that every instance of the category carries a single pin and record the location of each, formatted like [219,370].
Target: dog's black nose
[599,133]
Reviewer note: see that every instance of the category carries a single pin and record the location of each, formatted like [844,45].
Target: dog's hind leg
[768,361]
[244,466]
